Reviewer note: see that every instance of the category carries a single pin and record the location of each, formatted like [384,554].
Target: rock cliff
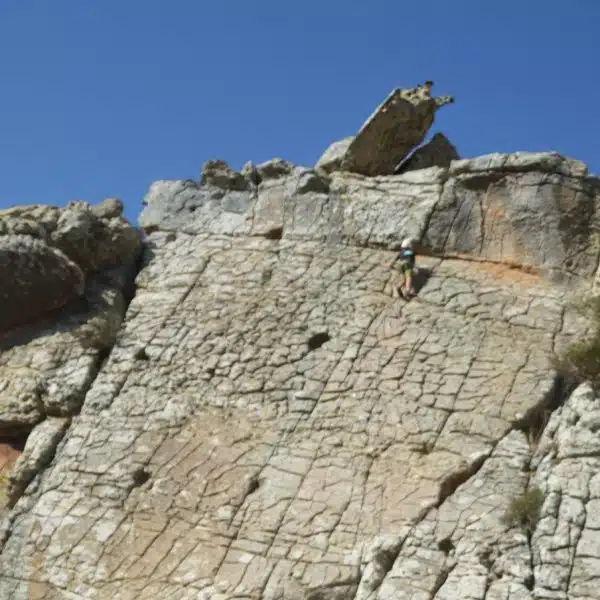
[255,417]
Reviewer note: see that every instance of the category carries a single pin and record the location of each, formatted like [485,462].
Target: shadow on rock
[420,278]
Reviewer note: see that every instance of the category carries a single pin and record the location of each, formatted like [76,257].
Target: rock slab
[271,424]
[396,126]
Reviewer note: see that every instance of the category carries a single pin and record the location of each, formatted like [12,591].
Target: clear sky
[101,97]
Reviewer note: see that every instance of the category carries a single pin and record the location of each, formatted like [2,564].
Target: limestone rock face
[397,126]
[567,469]
[536,209]
[271,424]
[37,454]
[37,278]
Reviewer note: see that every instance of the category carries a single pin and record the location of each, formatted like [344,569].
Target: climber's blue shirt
[407,256]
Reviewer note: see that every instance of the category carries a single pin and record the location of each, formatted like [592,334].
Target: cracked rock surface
[271,424]
[566,543]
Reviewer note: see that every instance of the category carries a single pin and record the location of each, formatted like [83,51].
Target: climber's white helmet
[406,243]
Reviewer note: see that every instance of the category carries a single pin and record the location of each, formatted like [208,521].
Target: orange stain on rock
[8,457]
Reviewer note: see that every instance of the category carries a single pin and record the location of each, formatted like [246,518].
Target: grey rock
[47,366]
[219,174]
[397,126]
[380,211]
[521,162]
[62,304]
[514,209]
[331,160]
[91,236]
[250,173]
[94,240]
[377,563]
[36,220]
[256,455]
[565,545]
[487,208]
[192,207]
[437,152]
[47,253]
[294,204]
[274,168]
[21,392]
[109,208]
[461,547]
[37,454]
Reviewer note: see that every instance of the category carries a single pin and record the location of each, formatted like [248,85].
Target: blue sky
[102,97]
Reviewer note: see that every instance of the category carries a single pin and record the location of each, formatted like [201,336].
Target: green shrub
[3,490]
[524,510]
[581,361]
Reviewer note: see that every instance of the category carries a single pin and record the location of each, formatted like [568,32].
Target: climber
[406,258]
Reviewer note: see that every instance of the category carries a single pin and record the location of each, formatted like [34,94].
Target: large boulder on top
[397,126]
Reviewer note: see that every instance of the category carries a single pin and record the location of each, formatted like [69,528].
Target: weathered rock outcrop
[47,253]
[395,128]
[271,424]
[67,276]
[533,209]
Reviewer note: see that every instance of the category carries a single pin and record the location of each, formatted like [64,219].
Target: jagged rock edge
[455,170]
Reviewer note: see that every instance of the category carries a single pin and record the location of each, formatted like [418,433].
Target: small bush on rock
[524,510]
[581,361]
[3,490]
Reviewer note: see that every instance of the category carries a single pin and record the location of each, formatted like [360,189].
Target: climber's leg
[408,279]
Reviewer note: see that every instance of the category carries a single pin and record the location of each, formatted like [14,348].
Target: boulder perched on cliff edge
[397,126]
